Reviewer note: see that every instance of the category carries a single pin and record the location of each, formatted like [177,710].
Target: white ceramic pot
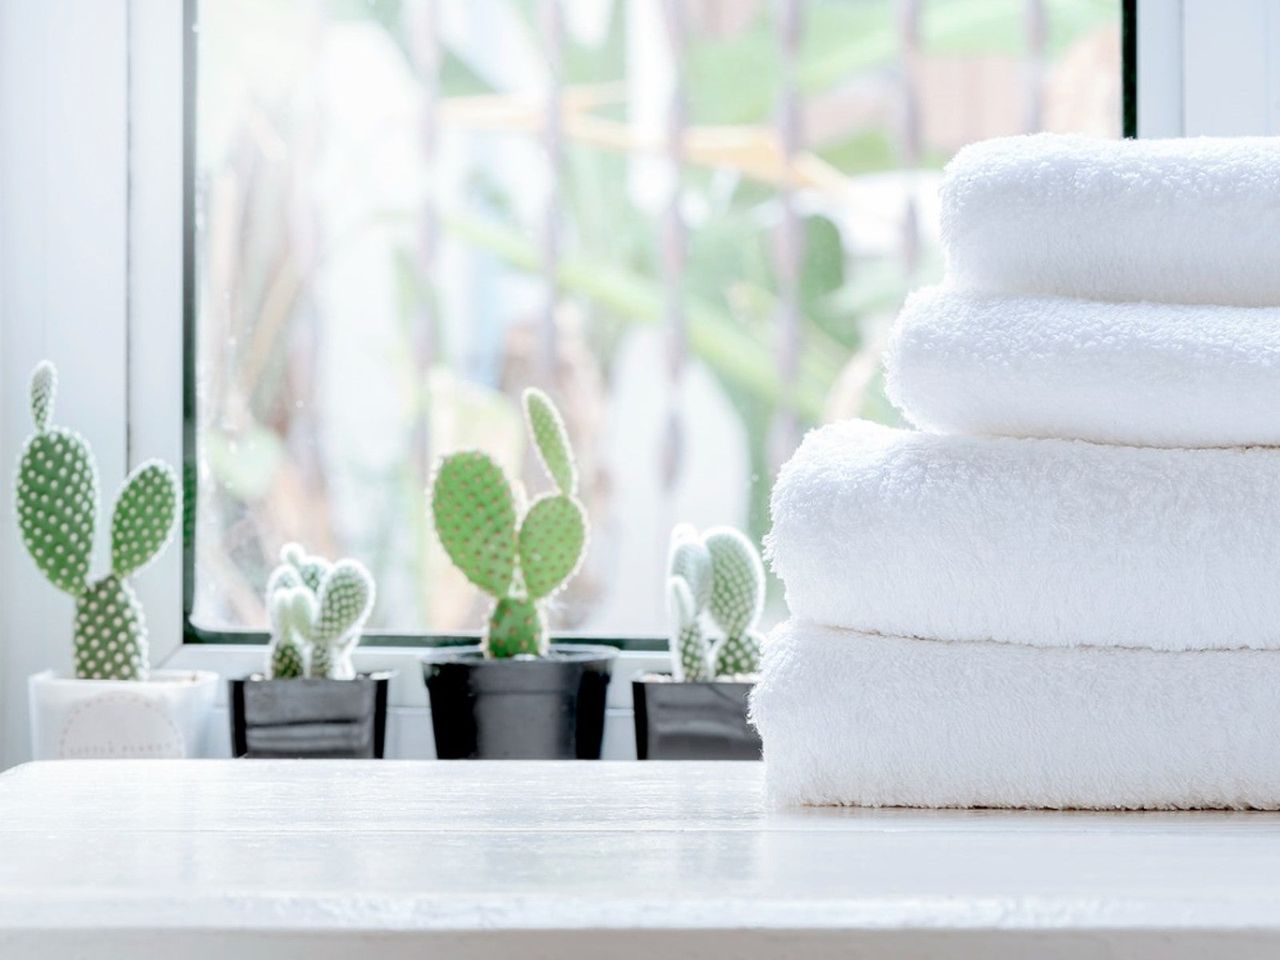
[166,716]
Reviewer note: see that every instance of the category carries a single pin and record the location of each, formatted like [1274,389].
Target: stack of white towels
[1064,591]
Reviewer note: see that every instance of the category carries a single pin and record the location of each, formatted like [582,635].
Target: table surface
[316,859]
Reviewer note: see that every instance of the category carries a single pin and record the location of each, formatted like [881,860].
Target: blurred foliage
[610,265]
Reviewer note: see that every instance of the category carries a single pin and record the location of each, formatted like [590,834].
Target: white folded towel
[1138,373]
[851,718]
[1180,221]
[1043,542]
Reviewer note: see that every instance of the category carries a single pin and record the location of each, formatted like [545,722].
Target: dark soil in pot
[693,721]
[309,718]
[523,708]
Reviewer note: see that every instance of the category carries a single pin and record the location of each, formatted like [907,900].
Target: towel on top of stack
[1173,221]
[1017,610]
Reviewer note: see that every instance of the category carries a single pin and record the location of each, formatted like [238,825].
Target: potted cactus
[699,710]
[115,705]
[310,702]
[516,696]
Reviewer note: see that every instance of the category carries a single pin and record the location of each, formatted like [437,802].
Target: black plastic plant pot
[693,721]
[309,718]
[522,708]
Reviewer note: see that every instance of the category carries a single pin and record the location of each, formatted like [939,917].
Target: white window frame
[91,235]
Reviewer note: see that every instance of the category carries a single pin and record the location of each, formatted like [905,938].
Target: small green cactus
[719,574]
[317,610]
[519,559]
[57,505]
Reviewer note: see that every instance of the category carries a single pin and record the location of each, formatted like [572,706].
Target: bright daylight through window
[690,221]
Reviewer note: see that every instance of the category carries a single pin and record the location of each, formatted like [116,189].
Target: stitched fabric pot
[309,717]
[693,721]
[519,708]
[164,717]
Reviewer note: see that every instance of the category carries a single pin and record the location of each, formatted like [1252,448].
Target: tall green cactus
[519,560]
[57,505]
[317,610]
[720,576]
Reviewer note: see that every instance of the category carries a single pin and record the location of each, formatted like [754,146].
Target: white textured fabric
[1042,542]
[1147,374]
[852,718]
[1179,221]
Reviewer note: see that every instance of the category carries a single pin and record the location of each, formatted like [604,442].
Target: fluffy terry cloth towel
[1180,221]
[1145,374]
[854,718]
[1042,542]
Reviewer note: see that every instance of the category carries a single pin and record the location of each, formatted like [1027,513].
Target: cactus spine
[718,576]
[57,505]
[317,610]
[520,559]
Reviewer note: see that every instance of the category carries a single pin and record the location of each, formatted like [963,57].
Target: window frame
[1152,11]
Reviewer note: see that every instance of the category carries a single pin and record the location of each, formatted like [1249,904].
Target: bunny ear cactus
[57,505]
[720,575]
[519,560]
[317,610]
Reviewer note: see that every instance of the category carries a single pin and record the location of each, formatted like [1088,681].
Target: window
[691,221]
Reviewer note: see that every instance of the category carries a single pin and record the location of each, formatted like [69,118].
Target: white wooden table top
[414,859]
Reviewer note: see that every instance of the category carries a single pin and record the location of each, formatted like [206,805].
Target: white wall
[63,293]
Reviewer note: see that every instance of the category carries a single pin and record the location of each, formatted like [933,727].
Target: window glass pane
[691,221]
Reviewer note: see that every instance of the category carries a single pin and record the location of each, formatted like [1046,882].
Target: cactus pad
[283,577]
[44,391]
[287,660]
[475,518]
[291,608]
[688,645]
[553,537]
[142,521]
[738,655]
[691,562]
[57,494]
[552,441]
[311,569]
[515,627]
[737,588]
[110,633]
[344,600]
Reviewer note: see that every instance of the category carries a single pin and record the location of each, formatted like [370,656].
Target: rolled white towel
[1147,374]
[852,718]
[1043,542]
[1178,221]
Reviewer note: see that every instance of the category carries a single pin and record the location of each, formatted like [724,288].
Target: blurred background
[690,221]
